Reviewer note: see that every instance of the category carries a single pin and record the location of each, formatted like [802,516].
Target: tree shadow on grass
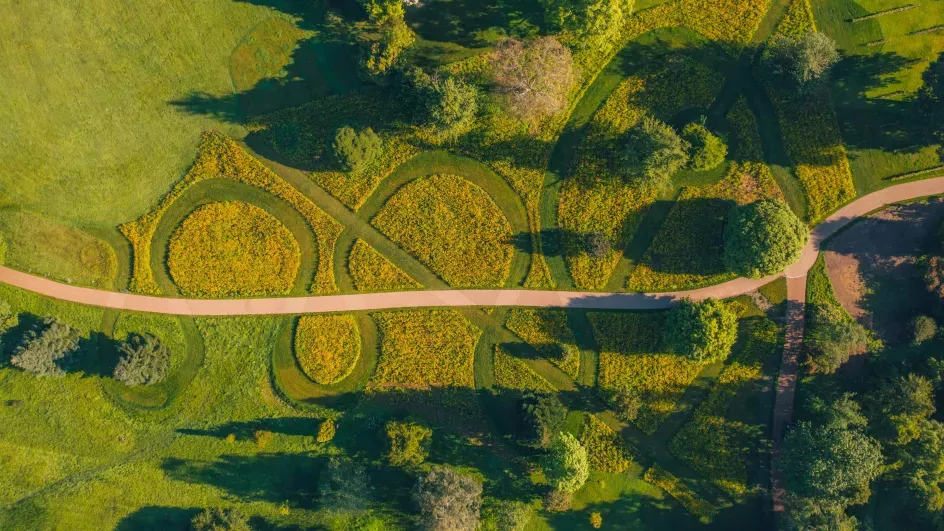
[475,23]
[157,518]
[244,431]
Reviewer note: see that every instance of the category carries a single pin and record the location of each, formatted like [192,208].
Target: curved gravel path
[460,298]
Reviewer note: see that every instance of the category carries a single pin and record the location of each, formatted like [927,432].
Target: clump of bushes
[654,153]
[707,150]
[144,361]
[326,431]
[763,238]
[46,351]
[543,416]
[506,515]
[356,150]
[217,519]
[409,443]
[702,331]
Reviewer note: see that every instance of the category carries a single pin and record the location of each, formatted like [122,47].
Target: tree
[702,331]
[409,443]
[626,404]
[804,514]
[901,404]
[145,361]
[532,78]
[654,153]
[566,466]
[383,11]
[506,515]
[356,151]
[543,416]
[556,501]
[923,328]
[217,519]
[708,150]
[586,18]
[344,485]
[445,104]
[395,37]
[597,244]
[931,102]
[922,468]
[804,63]
[44,352]
[763,238]
[830,463]
[831,339]
[934,275]
[448,501]
[8,318]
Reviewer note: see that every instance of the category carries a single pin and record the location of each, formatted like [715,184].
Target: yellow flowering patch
[218,157]
[371,271]
[549,333]
[713,444]
[233,249]
[327,346]
[512,373]
[424,349]
[453,227]
[606,449]
[676,488]
[731,22]
[632,358]
[353,189]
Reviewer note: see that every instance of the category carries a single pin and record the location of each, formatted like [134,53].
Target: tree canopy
[533,77]
[355,151]
[144,361]
[702,331]
[586,18]
[763,238]
[409,443]
[543,416]
[708,150]
[217,519]
[654,153]
[445,104]
[45,351]
[448,500]
[566,466]
[804,63]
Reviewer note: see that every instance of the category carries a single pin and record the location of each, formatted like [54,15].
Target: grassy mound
[327,346]
[233,249]
[452,226]
[370,271]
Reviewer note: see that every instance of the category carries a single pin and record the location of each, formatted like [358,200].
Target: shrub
[327,347]
[803,62]
[708,151]
[233,249]
[409,443]
[654,153]
[703,331]
[923,328]
[452,226]
[934,275]
[446,104]
[217,519]
[8,318]
[596,244]
[344,485]
[326,431]
[46,351]
[557,501]
[354,150]
[145,361]
[606,449]
[263,438]
[532,78]
[448,500]
[566,466]
[506,515]
[763,238]
[586,19]
[543,416]
[596,520]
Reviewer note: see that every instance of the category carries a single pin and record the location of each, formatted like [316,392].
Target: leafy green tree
[931,102]
[409,443]
[45,351]
[831,339]
[448,500]
[395,37]
[145,361]
[557,501]
[217,519]
[899,405]
[345,485]
[763,238]
[383,11]
[920,465]
[654,153]
[532,78]
[445,104]
[702,331]
[923,328]
[805,514]
[586,18]
[708,150]
[8,318]
[804,63]
[830,463]
[566,466]
[356,151]
[506,515]
[543,415]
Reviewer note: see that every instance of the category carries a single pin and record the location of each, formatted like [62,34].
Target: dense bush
[542,416]
[831,339]
[233,249]
[702,331]
[326,431]
[327,347]
[532,78]
[586,18]
[654,153]
[448,500]
[354,150]
[566,465]
[144,361]
[8,318]
[409,443]
[804,63]
[557,501]
[923,328]
[217,519]
[383,53]
[446,104]
[708,150]
[46,351]
[506,515]
[763,238]
[626,404]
